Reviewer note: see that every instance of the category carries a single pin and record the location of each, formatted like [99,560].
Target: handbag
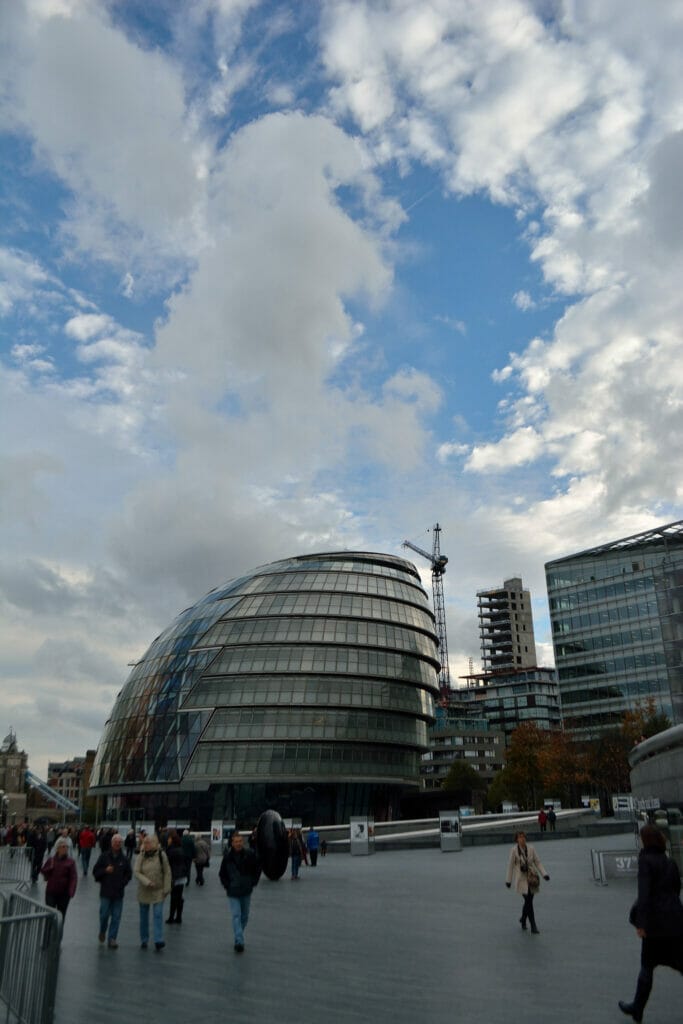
[533,880]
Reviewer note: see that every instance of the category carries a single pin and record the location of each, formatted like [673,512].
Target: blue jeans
[296,864]
[157,921]
[110,912]
[239,909]
[85,858]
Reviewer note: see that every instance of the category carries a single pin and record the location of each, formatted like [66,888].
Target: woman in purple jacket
[61,877]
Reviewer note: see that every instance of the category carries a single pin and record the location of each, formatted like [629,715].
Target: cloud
[522,446]
[124,146]
[523,300]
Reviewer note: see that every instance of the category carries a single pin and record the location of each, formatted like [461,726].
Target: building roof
[671,534]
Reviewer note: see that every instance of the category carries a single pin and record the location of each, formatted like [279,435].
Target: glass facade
[617,621]
[507,699]
[315,673]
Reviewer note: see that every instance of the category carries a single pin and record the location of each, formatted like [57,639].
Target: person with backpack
[153,874]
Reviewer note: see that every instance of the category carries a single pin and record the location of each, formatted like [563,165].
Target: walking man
[313,844]
[239,875]
[113,872]
[86,843]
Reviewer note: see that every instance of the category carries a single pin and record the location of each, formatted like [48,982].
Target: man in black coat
[239,874]
[113,872]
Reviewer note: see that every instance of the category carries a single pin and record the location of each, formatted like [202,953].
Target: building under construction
[506,627]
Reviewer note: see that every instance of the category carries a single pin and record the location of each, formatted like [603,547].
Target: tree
[523,769]
[562,767]
[643,721]
[463,779]
[607,756]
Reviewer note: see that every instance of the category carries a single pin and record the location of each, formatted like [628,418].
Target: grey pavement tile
[401,936]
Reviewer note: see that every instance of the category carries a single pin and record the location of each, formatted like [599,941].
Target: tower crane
[438,563]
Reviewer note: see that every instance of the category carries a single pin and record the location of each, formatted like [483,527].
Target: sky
[310,275]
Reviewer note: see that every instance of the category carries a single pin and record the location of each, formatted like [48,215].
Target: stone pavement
[401,936]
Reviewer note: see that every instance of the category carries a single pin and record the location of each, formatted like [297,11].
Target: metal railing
[613,864]
[29,959]
[15,866]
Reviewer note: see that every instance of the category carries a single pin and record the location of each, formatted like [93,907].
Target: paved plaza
[401,936]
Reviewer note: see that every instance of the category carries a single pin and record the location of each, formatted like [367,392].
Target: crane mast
[438,563]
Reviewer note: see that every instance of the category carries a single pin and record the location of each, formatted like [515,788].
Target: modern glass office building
[617,621]
[307,686]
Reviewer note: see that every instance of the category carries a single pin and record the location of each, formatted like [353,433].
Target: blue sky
[283,277]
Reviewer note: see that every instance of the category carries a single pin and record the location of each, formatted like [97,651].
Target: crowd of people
[161,864]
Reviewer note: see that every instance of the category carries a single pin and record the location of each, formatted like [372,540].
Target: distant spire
[9,744]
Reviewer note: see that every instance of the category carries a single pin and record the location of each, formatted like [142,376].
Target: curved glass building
[306,686]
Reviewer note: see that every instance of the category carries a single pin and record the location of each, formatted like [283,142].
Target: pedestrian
[323,848]
[313,844]
[64,834]
[153,873]
[552,818]
[657,916]
[189,853]
[174,852]
[202,858]
[239,874]
[59,871]
[38,842]
[113,871]
[542,819]
[86,842]
[296,851]
[130,843]
[524,869]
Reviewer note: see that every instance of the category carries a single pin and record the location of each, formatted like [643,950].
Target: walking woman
[296,852]
[176,859]
[61,877]
[153,873]
[657,916]
[524,871]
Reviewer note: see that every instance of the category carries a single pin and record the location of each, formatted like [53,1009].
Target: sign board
[362,836]
[449,831]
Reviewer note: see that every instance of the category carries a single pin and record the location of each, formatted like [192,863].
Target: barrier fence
[613,864]
[29,959]
[15,865]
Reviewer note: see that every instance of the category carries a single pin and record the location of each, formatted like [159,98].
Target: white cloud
[523,446]
[523,300]
[124,145]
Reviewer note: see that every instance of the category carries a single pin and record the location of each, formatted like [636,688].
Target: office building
[617,625]
[506,699]
[506,627]
[71,779]
[459,738]
[306,686]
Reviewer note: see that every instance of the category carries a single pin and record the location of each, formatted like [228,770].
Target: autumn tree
[463,781]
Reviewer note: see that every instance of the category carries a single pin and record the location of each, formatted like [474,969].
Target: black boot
[635,1009]
[522,921]
[179,918]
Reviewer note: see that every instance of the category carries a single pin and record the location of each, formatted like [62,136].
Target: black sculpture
[272,844]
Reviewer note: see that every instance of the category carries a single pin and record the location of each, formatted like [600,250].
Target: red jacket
[86,839]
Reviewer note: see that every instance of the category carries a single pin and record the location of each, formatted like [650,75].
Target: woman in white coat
[524,871]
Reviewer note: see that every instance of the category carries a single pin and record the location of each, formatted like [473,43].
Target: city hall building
[306,686]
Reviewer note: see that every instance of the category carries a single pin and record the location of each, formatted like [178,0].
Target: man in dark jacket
[113,872]
[239,875]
